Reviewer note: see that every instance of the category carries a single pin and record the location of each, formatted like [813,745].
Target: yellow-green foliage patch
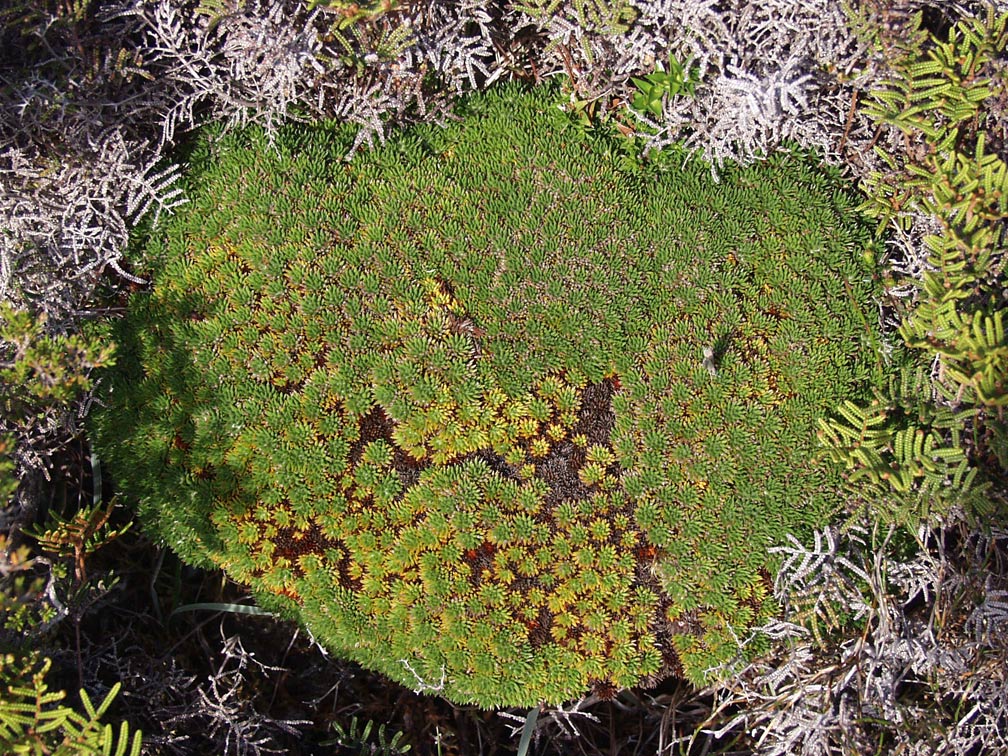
[485,412]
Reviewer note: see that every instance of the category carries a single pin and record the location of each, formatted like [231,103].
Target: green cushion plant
[484,411]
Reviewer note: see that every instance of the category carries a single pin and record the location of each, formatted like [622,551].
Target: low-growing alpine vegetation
[482,409]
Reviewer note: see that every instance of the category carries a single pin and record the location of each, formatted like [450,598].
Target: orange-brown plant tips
[484,412]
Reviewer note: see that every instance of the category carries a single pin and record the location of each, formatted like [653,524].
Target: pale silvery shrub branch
[768,72]
[926,671]
[68,222]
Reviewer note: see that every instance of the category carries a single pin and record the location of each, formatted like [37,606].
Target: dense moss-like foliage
[483,412]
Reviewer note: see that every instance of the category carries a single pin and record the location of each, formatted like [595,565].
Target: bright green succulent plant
[481,410]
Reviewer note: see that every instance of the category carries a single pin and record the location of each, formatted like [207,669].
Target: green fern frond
[905,458]
[34,721]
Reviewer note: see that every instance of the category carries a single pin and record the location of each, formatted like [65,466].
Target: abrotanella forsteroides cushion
[483,409]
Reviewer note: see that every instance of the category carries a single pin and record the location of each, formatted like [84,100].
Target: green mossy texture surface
[483,411]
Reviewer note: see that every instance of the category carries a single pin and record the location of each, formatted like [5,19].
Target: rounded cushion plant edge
[483,411]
